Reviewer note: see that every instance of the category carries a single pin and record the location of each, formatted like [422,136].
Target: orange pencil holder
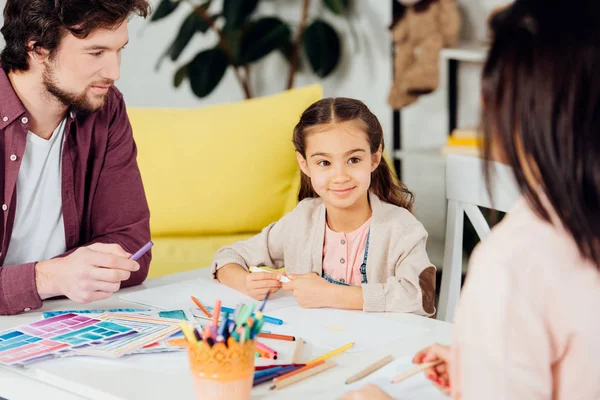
[222,372]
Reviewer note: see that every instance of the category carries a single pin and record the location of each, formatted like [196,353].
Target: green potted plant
[245,38]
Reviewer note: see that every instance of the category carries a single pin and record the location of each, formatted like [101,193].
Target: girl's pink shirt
[343,253]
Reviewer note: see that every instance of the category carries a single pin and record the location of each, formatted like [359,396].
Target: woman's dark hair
[337,110]
[45,22]
[541,96]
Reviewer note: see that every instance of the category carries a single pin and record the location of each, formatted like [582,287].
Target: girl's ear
[376,158]
[303,164]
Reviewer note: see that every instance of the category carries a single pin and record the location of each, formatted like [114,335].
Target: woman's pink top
[528,324]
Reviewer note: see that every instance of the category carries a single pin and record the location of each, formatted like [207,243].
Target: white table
[166,376]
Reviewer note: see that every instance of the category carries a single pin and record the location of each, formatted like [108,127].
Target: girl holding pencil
[351,242]
[526,326]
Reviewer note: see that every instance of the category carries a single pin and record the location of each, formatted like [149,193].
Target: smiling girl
[351,242]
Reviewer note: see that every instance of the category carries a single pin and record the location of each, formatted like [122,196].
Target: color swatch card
[54,335]
[49,314]
[177,296]
[147,330]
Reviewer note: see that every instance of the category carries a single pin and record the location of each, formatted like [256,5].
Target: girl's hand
[440,374]
[310,290]
[369,392]
[258,284]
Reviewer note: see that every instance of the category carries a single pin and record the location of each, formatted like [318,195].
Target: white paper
[417,387]
[332,328]
[177,296]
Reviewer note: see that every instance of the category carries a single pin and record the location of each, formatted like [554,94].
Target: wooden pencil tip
[273,387]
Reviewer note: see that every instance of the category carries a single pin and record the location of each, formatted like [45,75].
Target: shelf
[435,155]
[469,52]
[428,155]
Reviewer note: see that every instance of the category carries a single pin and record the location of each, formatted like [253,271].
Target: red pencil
[278,337]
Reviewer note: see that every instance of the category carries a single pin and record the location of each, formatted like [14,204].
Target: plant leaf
[192,24]
[204,26]
[262,37]
[165,8]
[236,12]
[339,7]
[206,71]
[322,46]
[232,38]
[287,49]
[180,75]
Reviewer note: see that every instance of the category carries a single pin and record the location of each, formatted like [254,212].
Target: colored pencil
[299,370]
[332,353]
[370,369]
[264,347]
[270,320]
[416,370]
[187,332]
[201,307]
[263,367]
[216,313]
[275,374]
[265,372]
[138,254]
[298,350]
[264,303]
[276,336]
[303,375]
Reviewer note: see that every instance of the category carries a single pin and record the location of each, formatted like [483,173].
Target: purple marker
[141,251]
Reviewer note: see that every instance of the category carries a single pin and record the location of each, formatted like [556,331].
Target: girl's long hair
[541,96]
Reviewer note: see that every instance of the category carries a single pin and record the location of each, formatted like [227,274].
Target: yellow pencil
[332,353]
[188,332]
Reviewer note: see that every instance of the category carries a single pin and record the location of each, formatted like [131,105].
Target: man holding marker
[71,196]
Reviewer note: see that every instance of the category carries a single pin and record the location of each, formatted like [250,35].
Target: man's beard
[76,102]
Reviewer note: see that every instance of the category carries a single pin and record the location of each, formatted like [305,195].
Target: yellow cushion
[179,254]
[221,169]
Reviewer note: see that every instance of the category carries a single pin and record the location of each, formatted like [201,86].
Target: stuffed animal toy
[421,28]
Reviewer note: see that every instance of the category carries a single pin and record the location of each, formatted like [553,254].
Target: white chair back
[466,191]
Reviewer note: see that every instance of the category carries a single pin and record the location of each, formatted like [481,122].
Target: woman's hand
[369,392]
[440,374]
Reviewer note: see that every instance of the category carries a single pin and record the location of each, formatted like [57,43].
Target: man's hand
[440,374]
[88,274]
[310,290]
[258,284]
[369,392]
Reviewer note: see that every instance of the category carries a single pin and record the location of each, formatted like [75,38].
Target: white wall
[366,76]
[365,73]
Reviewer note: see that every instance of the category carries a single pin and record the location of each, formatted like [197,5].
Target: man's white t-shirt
[39,230]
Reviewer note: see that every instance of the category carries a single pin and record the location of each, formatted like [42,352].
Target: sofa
[218,174]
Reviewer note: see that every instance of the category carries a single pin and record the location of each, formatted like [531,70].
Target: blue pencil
[267,378]
[269,371]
